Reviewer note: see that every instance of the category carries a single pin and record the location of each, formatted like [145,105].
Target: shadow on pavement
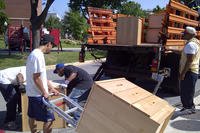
[186,125]
[187,122]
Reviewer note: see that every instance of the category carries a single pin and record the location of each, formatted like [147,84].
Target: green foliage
[132,8]
[158,9]
[81,5]
[75,25]
[53,22]
[3,16]
[2,4]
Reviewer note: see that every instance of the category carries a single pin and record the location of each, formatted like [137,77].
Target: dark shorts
[38,111]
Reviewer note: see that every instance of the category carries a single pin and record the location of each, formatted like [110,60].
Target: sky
[61,6]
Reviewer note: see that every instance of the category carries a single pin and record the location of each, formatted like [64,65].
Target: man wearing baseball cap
[38,86]
[78,83]
[188,70]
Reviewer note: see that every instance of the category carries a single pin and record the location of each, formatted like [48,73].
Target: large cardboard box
[58,123]
[119,106]
[129,31]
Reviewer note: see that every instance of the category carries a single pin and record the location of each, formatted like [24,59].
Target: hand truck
[51,104]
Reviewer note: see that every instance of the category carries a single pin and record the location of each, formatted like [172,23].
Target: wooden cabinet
[129,31]
[119,106]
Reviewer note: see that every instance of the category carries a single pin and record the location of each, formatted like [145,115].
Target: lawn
[18,59]
[64,42]
[70,44]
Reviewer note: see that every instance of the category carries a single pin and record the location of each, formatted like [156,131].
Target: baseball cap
[58,66]
[190,30]
[46,39]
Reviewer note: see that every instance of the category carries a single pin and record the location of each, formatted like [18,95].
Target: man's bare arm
[39,84]
[52,88]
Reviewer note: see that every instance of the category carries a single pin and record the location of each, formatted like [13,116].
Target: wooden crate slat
[99,10]
[183,8]
[150,105]
[102,28]
[93,41]
[179,19]
[101,37]
[163,112]
[98,20]
[101,32]
[176,48]
[172,42]
[174,30]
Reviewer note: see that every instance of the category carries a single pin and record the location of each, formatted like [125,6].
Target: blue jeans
[188,89]
[74,95]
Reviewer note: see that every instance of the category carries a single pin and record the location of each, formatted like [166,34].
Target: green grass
[53,58]
[70,44]
[17,59]
[65,43]
[2,44]
[13,60]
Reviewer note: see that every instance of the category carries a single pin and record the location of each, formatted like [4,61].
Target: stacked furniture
[102,27]
[177,17]
[154,27]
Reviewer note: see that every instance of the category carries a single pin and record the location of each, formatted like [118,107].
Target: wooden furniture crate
[58,123]
[119,106]
[155,20]
[102,27]
[178,16]
[152,35]
[129,31]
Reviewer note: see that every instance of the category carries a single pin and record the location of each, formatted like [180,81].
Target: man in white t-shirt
[37,85]
[189,70]
[8,88]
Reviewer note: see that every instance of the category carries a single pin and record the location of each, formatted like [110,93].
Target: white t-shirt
[191,48]
[8,76]
[35,64]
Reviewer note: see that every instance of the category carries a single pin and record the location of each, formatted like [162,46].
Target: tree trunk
[37,20]
[36,37]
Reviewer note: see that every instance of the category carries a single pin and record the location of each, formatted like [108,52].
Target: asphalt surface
[178,124]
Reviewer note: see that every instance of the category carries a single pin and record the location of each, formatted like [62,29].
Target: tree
[3,17]
[158,9]
[53,22]
[38,19]
[81,5]
[132,8]
[75,25]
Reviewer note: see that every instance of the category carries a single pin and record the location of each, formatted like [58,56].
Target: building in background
[19,11]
